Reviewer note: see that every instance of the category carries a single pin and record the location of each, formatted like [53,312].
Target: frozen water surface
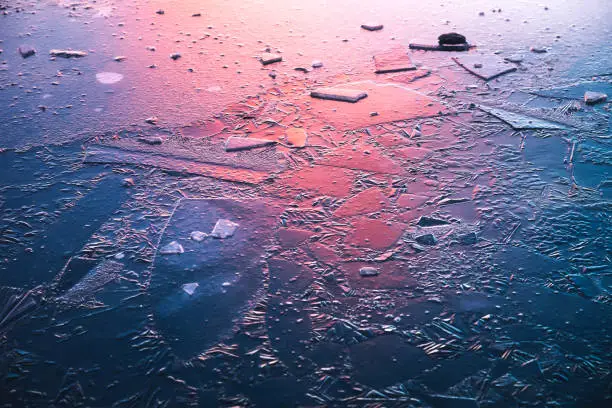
[182,225]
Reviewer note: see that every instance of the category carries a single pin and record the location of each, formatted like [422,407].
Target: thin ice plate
[519,121]
[339,94]
[395,60]
[486,67]
[104,155]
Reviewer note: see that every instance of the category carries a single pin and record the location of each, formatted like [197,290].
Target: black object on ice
[437,47]
[451,39]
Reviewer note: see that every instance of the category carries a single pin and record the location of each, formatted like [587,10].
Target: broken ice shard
[235,144]
[172,248]
[224,229]
[198,236]
[592,98]
[485,67]
[519,121]
[190,288]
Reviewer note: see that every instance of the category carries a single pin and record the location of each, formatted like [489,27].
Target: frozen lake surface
[265,204]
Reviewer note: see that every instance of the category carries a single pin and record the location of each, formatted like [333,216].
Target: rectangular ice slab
[368,271]
[210,151]
[339,94]
[68,53]
[519,121]
[395,60]
[235,144]
[592,98]
[486,67]
[102,155]
[269,58]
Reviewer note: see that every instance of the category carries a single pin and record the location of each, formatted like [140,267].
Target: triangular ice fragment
[190,288]
[519,121]
[234,144]
[486,67]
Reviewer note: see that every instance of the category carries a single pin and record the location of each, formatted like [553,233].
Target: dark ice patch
[289,329]
[229,272]
[66,236]
[285,391]
[527,264]
[385,360]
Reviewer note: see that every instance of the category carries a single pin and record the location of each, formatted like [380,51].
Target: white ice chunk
[198,236]
[172,248]
[224,229]
[190,288]
[591,98]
